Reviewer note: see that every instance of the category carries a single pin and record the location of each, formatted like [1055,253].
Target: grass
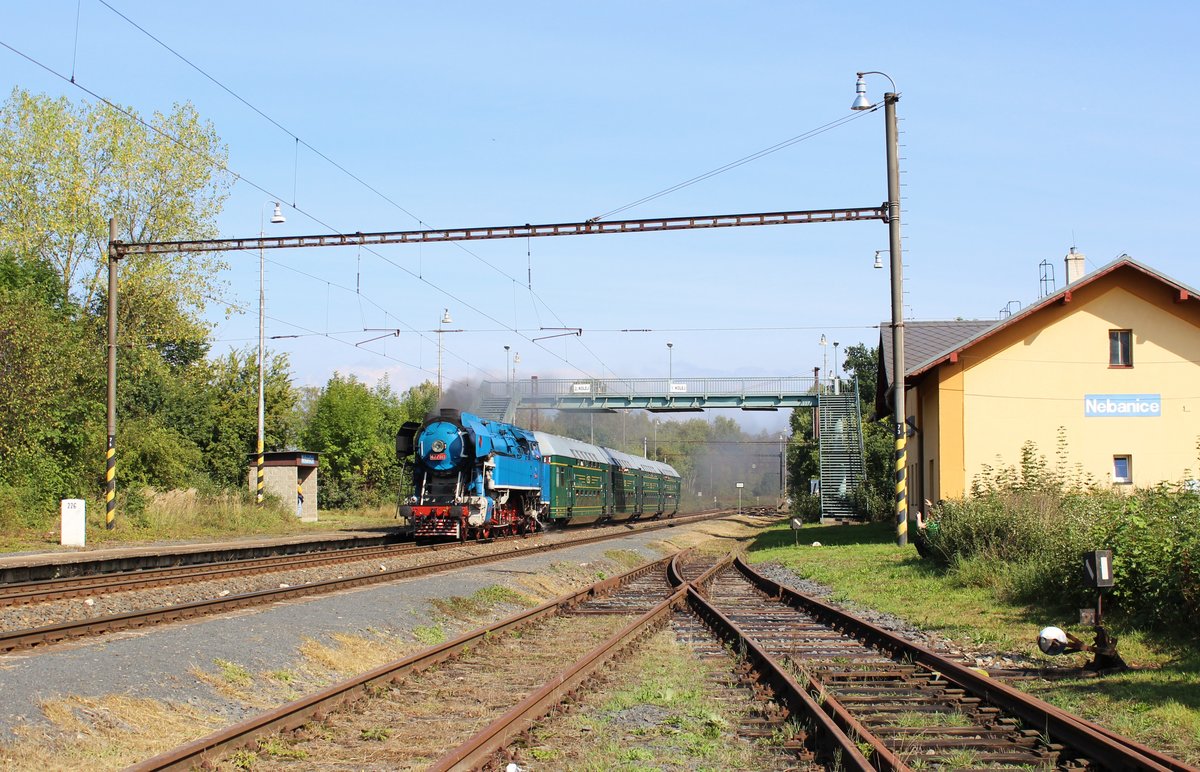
[430,635]
[1158,702]
[656,711]
[481,602]
[108,732]
[189,515]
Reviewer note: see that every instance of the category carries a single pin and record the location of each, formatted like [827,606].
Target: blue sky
[1026,128]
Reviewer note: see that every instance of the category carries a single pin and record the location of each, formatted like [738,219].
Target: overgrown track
[622,595]
[910,706]
[40,636]
[489,748]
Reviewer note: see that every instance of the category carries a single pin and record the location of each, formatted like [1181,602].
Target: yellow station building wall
[1030,379]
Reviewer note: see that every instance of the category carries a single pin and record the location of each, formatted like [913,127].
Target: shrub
[1025,529]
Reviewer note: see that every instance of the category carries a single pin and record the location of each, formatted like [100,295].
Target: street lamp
[893,183]
[507,369]
[670,365]
[824,360]
[444,320]
[837,370]
[276,218]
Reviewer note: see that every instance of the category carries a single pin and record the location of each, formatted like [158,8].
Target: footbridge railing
[660,394]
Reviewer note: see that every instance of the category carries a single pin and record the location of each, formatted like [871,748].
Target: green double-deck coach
[586,483]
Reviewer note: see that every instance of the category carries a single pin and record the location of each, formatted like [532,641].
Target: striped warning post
[258,495]
[901,486]
[110,484]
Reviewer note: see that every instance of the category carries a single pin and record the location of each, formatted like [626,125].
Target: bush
[1024,537]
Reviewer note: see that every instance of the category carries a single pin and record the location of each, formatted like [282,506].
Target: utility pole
[110,470]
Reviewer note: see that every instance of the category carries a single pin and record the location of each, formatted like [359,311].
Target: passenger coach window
[1120,348]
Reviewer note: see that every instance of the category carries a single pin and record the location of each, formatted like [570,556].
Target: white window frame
[1128,478]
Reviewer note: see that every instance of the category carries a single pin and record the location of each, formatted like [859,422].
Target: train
[474,478]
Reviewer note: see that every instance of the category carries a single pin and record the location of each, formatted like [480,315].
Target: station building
[1110,363]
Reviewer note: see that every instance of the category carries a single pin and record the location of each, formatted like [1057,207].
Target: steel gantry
[118,249]
[593,227]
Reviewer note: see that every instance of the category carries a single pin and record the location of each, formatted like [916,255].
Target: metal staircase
[841,449]
[497,407]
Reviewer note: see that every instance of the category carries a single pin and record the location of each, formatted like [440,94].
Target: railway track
[824,690]
[48,634]
[615,600]
[607,620]
[19,593]
[910,706]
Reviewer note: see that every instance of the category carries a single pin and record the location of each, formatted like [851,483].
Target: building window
[1120,348]
[1123,470]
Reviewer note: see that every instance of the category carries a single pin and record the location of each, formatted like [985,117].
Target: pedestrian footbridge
[606,395]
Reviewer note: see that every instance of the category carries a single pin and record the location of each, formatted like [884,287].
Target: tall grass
[1024,530]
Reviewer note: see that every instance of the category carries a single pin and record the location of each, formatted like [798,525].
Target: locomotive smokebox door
[1097,568]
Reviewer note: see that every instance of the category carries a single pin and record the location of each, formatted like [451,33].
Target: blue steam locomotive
[474,478]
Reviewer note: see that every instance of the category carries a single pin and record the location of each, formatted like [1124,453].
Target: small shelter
[292,476]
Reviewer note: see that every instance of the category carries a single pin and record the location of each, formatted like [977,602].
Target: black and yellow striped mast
[110,470]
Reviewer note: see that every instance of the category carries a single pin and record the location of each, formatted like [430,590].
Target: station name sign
[1122,405]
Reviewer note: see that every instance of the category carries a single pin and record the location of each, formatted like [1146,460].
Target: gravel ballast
[157,662]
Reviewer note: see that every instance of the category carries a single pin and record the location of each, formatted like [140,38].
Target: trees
[65,169]
[353,427]
[879,491]
[50,392]
[224,420]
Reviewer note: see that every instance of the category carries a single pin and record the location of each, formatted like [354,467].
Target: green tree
[353,427]
[49,390]
[223,420]
[877,496]
[65,169]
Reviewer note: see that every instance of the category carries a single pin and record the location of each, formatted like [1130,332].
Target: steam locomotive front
[442,446]
[448,493]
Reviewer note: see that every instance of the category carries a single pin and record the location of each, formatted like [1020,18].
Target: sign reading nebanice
[1122,405]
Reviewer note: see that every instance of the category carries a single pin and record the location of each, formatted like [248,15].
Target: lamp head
[277,217]
[823,341]
[506,348]
[878,259]
[670,344]
[860,95]
[446,316]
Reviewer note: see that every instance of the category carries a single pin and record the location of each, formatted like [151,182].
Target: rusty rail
[1114,751]
[494,737]
[48,634]
[80,586]
[297,713]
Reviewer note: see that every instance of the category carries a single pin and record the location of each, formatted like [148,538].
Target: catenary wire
[536,297]
[223,167]
[336,165]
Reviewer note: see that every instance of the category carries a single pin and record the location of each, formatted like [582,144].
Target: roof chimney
[1075,269]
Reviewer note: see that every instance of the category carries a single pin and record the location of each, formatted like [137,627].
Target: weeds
[233,673]
[276,747]
[375,734]
[430,635]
